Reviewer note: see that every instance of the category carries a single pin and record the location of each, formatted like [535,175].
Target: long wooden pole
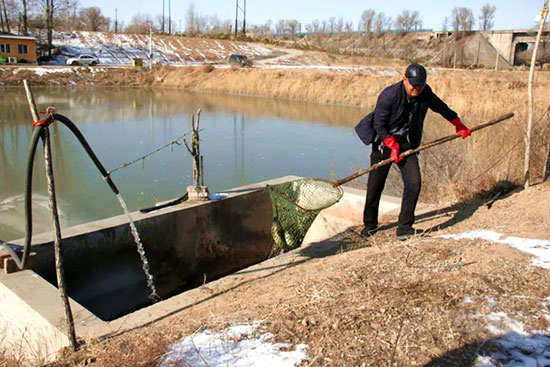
[420,148]
[55,221]
[527,163]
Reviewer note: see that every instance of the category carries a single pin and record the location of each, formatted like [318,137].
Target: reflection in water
[244,140]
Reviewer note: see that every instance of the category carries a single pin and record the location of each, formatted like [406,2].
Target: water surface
[243,140]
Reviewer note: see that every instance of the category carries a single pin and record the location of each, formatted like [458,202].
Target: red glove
[394,147]
[460,128]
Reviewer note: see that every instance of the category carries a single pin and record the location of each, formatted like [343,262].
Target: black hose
[21,261]
[165,205]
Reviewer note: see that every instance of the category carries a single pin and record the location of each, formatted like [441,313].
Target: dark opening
[115,285]
[521,53]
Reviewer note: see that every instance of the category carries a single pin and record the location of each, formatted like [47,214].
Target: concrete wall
[208,239]
[503,42]
[473,50]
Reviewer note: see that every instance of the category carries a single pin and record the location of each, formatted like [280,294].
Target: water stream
[141,251]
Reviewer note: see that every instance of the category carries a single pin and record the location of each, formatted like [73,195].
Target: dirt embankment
[478,93]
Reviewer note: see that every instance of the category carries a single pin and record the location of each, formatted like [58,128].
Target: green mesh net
[296,204]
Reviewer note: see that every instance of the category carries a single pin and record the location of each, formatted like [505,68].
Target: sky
[510,14]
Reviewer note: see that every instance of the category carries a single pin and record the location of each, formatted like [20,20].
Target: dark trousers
[410,173]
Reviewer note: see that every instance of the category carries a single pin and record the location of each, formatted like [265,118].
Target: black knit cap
[416,74]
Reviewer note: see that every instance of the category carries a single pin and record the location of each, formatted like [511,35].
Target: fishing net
[296,204]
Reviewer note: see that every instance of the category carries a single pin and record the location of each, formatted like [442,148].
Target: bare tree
[315,29]
[348,27]
[24,17]
[462,19]
[6,18]
[367,19]
[280,27]
[265,29]
[190,22]
[445,24]
[379,23]
[339,28]
[159,22]
[487,17]
[418,24]
[2,17]
[331,24]
[140,24]
[93,20]
[408,20]
[292,26]
[389,23]
[324,26]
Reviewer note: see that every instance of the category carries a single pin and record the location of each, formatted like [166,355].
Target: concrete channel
[188,245]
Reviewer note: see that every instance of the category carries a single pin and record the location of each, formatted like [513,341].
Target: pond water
[243,140]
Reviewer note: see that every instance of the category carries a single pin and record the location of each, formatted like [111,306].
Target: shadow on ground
[511,349]
[443,218]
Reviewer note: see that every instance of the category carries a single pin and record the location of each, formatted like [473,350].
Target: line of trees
[18,16]
[462,19]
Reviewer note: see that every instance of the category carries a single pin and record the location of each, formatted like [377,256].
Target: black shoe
[406,233]
[369,230]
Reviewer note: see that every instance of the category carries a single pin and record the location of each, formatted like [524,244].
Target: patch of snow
[237,346]
[518,348]
[539,249]
[389,72]
[41,71]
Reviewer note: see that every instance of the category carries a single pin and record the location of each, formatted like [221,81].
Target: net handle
[422,147]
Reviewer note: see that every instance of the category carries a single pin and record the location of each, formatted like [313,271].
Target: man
[398,121]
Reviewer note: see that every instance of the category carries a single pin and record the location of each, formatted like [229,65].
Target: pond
[243,140]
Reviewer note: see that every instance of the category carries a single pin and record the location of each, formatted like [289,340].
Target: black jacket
[390,116]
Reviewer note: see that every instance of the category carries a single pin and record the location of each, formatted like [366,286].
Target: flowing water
[141,251]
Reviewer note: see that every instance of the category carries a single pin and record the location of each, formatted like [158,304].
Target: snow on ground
[41,71]
[518,347]
[236,346]
[120,49]
[539,249]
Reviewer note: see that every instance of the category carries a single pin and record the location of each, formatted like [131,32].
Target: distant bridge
[510,43]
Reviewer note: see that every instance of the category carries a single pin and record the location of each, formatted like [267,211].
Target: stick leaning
[422,147]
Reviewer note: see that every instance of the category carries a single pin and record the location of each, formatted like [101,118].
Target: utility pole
[116,21]
[162,17]
[151,46]
[169,17]
[244,19]
[236,18]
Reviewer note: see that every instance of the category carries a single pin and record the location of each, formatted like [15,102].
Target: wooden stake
[55,222]
[527,163]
